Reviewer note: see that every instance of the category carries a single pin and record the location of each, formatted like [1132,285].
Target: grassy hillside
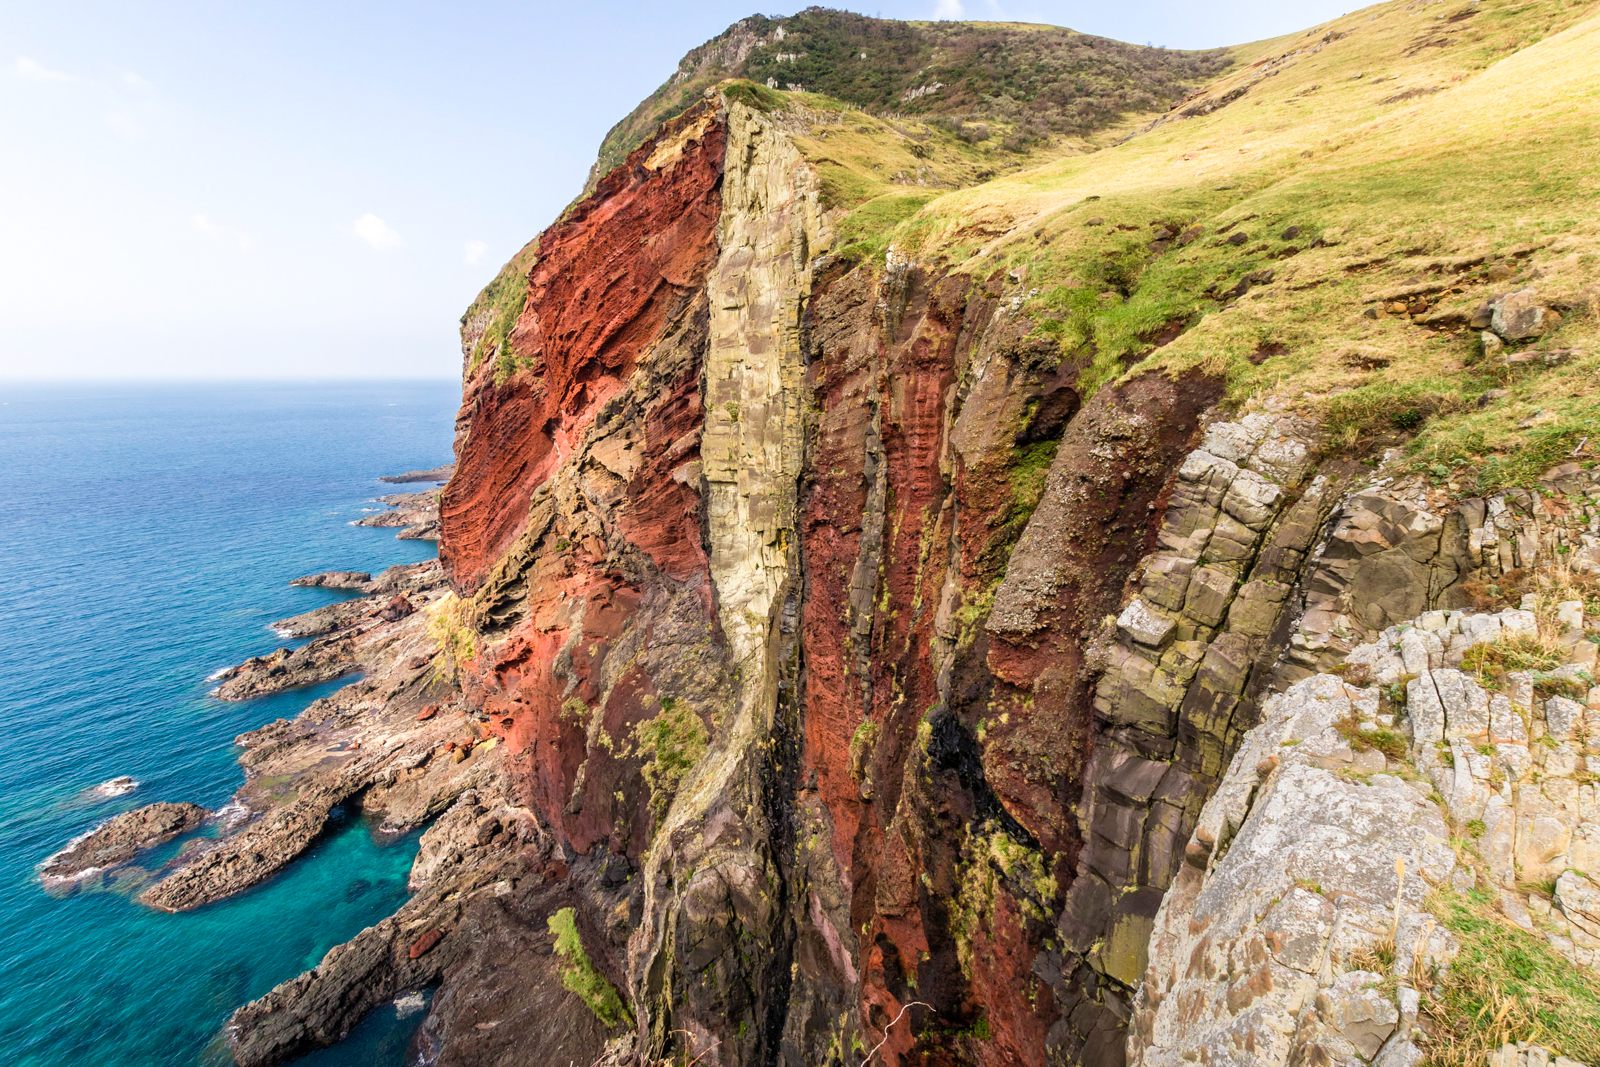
[1019,85]
[1318,223]
[1321,224]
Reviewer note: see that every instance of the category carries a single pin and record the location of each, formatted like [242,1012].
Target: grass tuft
[1513,652]
[1505,985]
[455,641]
[671,743]
[579,974]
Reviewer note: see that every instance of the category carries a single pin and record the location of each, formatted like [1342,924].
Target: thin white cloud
[377,233]
[225,235]
[132,79]
[473,252]
[125,124]
[949,9]
[32,70]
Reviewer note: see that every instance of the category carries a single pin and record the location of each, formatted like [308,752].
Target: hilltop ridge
[1017,84]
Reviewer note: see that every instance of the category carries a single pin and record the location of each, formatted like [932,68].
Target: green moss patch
[671,744]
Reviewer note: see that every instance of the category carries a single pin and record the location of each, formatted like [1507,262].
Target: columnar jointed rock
[794,592]
[1312,863]
[713,846]
[1174,696]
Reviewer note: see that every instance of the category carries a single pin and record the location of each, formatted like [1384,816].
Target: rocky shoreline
[118,840]
[398,745]
[438,475]
[415,515]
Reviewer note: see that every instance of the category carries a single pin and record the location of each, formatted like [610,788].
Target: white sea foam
[408,1004]
[218,673]
[120,786]
[231,814]
[55,880]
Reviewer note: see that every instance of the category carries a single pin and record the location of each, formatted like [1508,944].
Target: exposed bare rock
[364,745]
[409,578]
[1519,316]
[416,515]
[482,888]
[439,474]
[120,839]
[335,580]
[326,619]
[1318,855]
[324,659]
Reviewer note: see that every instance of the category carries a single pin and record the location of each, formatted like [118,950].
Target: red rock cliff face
[598,295]
[783,575]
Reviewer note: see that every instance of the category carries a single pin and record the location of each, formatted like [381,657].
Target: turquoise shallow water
[148,537]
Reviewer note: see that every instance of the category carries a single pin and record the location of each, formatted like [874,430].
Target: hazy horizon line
[220,380]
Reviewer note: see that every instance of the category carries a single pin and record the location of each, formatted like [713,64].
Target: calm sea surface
[147,536]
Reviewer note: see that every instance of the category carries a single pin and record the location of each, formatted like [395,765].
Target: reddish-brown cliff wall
[925,843]
[597,296]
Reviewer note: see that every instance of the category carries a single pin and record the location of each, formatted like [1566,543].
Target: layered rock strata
[851,675]
[118,840]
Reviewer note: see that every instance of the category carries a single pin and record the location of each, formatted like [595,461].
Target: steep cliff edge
[870,566]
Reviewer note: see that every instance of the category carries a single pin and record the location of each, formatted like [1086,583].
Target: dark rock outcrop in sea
[120,839]
[416,515]
[438,475]
[334,580]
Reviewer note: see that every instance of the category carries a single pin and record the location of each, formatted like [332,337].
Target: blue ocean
[149,535]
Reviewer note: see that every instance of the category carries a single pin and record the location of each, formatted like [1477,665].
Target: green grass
[1357,170]
[455,640]
[862,742]
[1021,86]
[670,743]
[1029,469]
[1513,652]
[1505,985]
[579,974]
[1345,195]
[1392,744]
[864,233]
[499,305]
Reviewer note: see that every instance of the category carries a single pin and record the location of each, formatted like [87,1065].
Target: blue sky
[294,189]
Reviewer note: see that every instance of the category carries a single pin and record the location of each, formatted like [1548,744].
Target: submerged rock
[121,785]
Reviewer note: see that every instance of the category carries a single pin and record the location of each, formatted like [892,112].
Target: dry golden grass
[1441,151]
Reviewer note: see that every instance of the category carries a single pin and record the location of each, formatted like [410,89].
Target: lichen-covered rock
[1301,866]
[1519,316]
[1316,855]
